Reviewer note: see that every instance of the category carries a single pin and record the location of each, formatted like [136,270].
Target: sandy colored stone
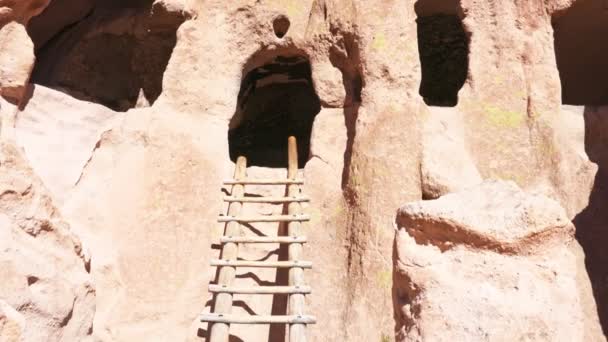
[12,323]
[46,291]
[446,164]
[490,263]
[8,114]
[478,217]
[577,177]
[16,47]
[144,195]
[53,121]
[16,61]
[148,215]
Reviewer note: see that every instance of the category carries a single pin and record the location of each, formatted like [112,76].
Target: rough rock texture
[46,292]
[50,121]
[16,57]
[446,164]
[12,323]
[16,61]
[490,263]
[147,244]
[138,179]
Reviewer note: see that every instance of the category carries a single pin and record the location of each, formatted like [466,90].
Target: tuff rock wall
[122,109]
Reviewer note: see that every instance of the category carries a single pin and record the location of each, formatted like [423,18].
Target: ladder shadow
[256,279]
[236,303]
[253,229]
[276,331]
[249,194]
[264,258]
[231,338]
[280,302]
[279,306]
[246,194]
[202,333]
[247,275]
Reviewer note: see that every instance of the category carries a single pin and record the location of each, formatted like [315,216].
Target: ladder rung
[263,218]
[259,289]
[257,319]
[263,181]
[266,199]
[263,264]
[263,239]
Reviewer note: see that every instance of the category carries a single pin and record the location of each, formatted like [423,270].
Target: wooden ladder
[221,318]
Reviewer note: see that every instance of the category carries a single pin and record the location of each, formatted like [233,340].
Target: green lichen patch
[503,118]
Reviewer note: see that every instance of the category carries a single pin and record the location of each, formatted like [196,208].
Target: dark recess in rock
[276,100]
[113,56]
[444,57]
[581,52]
[280,25]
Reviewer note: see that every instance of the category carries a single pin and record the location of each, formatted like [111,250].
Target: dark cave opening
[443,46]
[109,52]
[581,52]
[280,26]
[275,101]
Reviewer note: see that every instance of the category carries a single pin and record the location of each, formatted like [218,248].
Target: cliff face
[505,267]
[123,109]
[46,293]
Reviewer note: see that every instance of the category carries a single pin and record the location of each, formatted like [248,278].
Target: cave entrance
[110,52]
[275,101]
[582,53]
[443,46]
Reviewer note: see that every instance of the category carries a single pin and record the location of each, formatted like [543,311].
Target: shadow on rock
[592,223]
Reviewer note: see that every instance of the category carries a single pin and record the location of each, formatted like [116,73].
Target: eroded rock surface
[491,263]
[46,293]
[446,165]
[52,120]
[138,174]
[16,61]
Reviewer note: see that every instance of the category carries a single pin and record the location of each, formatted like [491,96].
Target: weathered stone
[144,195]
[53,121]
[490,263]
[12,323]
[16,61]
[46,292]
[446,165]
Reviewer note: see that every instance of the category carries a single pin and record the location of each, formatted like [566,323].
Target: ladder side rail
[297,331]
[219,331]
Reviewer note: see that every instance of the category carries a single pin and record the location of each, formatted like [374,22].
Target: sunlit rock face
[129,114]
[448,254]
